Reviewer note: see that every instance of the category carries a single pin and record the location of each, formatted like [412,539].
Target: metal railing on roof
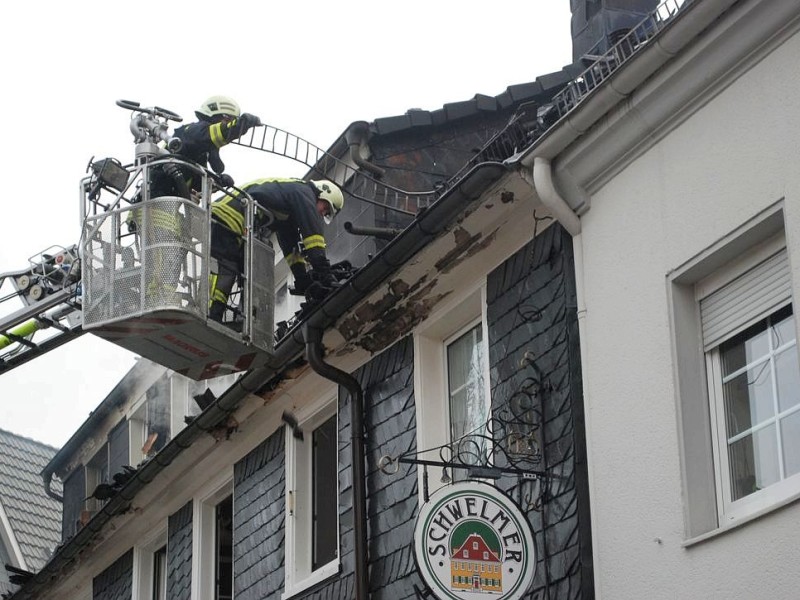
[531,121]
[522,130]
[358,184]
[606,64]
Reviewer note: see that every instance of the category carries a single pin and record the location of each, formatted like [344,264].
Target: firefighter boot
[302,280]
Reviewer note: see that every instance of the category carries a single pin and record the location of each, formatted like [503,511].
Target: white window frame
[432,402]
[142,584]
[730,510]
[298,573]
[714,267]
[204,538]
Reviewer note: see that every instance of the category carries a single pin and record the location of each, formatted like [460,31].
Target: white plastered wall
[737,155]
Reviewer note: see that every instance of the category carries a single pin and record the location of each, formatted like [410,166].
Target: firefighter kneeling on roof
[300,210]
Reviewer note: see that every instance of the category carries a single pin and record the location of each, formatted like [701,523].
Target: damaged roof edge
[425,227]
[115,398]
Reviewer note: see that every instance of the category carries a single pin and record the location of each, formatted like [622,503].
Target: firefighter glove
[320,266]
[225,180]
[248,121]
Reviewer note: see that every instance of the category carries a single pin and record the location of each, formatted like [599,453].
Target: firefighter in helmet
[219,122]
[300,210]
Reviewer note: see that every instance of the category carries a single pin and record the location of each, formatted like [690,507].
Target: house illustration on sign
[475,558]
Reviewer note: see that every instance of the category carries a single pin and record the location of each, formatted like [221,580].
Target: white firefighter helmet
[218,105]
[330,193]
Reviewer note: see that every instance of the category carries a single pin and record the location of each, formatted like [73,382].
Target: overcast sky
[309,68]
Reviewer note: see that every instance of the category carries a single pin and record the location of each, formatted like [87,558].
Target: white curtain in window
[465,367]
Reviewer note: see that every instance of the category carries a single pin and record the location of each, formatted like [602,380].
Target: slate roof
[35,518]
[541,89]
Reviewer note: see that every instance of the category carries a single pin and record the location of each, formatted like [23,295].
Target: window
[466,391]
[312,501]
[737,378]
[212,554]
[451,380]
[157,417]
[223,550]
[753,385]
[150,421]
[160,573]
[150,568]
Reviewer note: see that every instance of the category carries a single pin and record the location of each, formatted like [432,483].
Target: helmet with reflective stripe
[330,193]
[218,105]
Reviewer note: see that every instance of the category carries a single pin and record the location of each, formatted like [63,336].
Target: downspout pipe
[541,178]
[48,489]
[356,136]
[314,355]
[382,233]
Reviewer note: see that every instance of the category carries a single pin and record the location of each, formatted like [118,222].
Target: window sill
[324,572]
[740,521]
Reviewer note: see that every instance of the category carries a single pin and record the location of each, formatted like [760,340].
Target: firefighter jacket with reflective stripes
[293,204]
[202,140]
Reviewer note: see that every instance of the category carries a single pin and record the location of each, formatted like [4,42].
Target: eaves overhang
[425,228]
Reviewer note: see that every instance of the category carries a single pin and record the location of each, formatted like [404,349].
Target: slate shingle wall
[259,488]
[179,554]
[390,421]
[531,309]
[115,582]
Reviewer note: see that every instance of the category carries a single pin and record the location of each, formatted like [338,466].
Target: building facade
[593,316]
[687,191]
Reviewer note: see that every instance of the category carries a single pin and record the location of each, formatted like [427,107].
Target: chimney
[599,24]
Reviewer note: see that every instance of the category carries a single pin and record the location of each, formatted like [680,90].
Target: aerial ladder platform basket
[146,263]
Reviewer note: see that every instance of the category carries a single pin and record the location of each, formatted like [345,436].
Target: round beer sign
[471,541]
